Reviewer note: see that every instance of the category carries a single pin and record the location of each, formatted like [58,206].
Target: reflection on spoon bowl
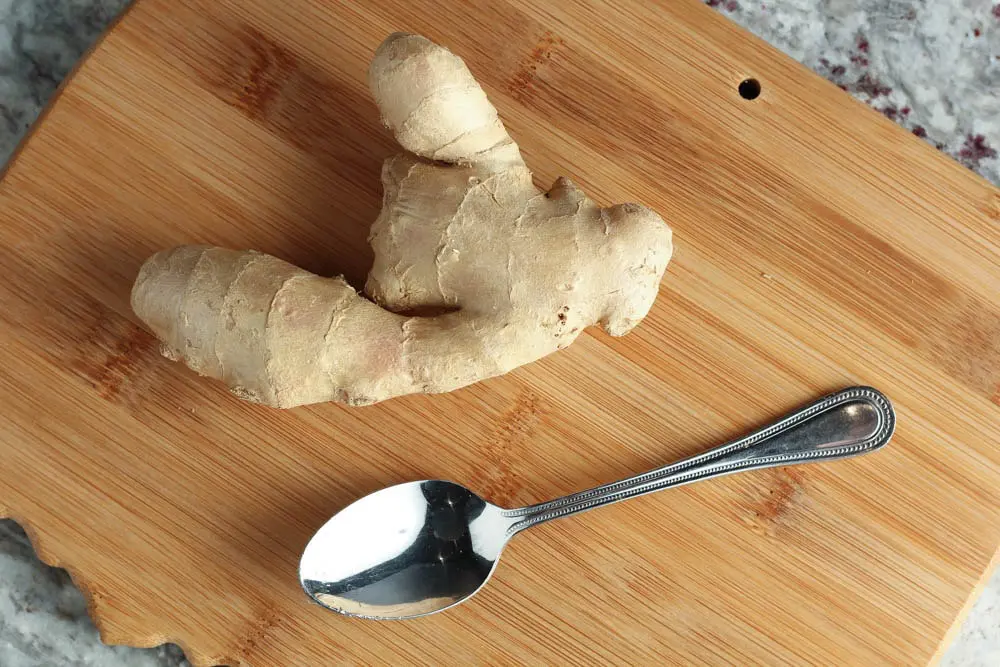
[405,551]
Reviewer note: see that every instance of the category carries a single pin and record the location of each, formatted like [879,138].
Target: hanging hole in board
[749,89]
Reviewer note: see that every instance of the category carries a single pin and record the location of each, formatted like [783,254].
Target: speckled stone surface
[933,66]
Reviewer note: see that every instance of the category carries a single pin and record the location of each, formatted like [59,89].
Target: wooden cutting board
[818,245]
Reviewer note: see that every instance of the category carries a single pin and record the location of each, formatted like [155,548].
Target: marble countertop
[933,66]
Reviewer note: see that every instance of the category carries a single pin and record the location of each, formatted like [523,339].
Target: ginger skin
[521,272]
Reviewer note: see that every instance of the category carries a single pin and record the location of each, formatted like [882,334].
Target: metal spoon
[417,548]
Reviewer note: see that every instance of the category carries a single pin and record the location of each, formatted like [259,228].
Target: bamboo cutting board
[818,246]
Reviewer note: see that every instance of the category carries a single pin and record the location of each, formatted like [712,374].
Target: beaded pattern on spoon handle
[710,464]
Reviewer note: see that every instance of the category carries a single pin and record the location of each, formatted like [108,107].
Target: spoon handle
[848,423]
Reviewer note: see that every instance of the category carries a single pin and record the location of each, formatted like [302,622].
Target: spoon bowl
[418,548]
[405,551]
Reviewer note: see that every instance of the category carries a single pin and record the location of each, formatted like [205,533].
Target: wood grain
[818,245]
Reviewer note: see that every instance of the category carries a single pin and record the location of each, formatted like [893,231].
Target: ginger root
[515,273]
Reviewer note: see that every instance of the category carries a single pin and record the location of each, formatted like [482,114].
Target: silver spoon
[418,548]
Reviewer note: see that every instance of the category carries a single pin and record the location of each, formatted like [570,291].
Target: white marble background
[933,66]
